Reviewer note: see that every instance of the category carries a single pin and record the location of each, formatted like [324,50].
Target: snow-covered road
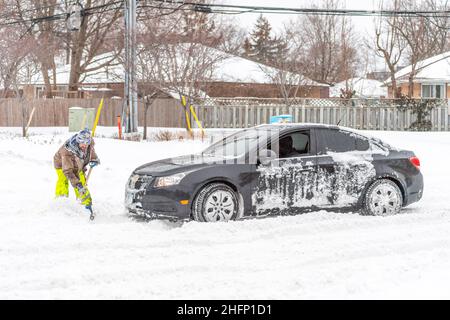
[50,250]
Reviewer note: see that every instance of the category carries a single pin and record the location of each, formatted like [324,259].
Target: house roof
[365,88]
[113,73]
[242,70]
[231,69]
[433,69]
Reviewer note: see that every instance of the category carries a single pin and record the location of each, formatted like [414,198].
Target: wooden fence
[230,113]
[55,112]
[373,117]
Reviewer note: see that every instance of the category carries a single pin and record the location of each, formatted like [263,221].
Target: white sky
[363,25]
[277,20]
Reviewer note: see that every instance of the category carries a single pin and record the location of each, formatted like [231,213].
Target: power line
[14,10]
[62,16]
[238,9]
[177,5]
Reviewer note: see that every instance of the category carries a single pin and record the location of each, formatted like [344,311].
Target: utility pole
[130,105]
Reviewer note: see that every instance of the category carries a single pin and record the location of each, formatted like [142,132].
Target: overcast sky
[363,25]
[277,20]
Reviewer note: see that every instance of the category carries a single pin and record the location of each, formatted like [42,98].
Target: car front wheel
[215,202]
[383,198]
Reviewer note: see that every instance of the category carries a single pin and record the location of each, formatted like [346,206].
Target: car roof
[303,125]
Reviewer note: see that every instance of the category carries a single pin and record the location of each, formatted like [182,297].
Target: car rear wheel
[216,202]
[383,198]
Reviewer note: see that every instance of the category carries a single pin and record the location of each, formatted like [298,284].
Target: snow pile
[49,249]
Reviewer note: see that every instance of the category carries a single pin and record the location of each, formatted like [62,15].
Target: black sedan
[278,169]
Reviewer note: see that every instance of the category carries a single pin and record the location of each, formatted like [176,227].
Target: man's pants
[62,187]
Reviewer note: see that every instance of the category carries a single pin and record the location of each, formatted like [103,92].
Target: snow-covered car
[278,169]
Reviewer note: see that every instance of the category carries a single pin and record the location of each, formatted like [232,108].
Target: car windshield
[238,143]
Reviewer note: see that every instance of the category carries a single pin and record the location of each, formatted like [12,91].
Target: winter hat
[73,144]
[84,137]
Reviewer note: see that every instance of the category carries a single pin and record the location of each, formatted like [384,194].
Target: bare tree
[177,55]
[14,52]
[42,21]
[152,35]
[233,35]
[390,44]
[286,73]
[290,84]
[40,33]
[425,36]
[326,45]
[95,36]
[12,56]
[181,69]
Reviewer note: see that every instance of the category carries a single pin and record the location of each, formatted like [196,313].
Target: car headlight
[169,180]
[132,180]
[139,182]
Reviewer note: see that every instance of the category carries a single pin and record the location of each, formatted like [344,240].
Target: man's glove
[81,190]
[94,163]
[84,195]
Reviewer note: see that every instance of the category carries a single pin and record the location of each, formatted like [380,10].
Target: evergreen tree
[261,46]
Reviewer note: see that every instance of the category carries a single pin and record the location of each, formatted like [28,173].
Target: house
[106,81]
[431,81]
[363,87]
[233,76]
[240,77]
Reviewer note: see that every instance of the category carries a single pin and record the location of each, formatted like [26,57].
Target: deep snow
[50,250]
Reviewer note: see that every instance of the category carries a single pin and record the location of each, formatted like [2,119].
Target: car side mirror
[266,156]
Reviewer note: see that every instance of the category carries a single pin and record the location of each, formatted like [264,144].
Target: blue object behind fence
[283,118]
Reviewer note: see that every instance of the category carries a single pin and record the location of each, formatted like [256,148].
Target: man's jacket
[71,164]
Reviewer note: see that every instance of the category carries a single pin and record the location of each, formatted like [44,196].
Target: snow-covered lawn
[50,250]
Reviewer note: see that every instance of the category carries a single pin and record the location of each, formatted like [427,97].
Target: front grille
[138,182]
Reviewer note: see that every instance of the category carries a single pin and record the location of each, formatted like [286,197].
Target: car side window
[301,142]
[341,141]
[294,144]
[337,141]
[362,144]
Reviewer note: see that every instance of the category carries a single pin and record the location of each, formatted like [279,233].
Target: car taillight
[415,161]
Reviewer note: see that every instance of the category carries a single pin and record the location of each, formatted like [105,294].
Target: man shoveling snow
[70,163]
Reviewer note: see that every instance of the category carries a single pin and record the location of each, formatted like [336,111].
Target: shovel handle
[88,175]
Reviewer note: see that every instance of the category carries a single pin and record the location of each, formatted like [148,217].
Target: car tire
[382,198]
[216,202]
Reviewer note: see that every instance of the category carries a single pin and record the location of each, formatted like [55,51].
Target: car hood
[175,165]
